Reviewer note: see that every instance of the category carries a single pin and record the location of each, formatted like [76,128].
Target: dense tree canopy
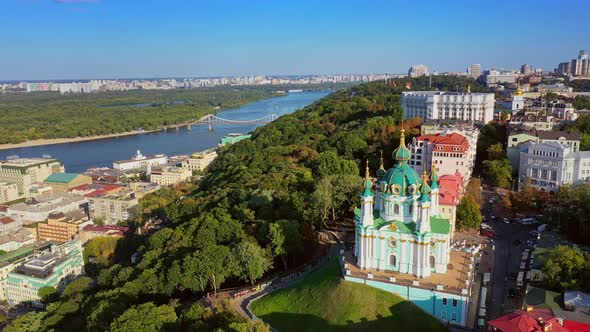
[280,187]
[566,268]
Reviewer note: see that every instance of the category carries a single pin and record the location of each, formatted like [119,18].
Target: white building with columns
[399,227]
[550,165]
[467,106]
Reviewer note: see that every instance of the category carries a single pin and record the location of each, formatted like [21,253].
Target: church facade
[398,226]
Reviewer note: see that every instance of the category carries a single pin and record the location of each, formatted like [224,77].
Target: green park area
[325,302]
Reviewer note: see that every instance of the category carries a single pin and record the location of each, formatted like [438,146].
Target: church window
[395,209]
[432,261]
[392,242]
[392,260]
[453,316]
[411,208]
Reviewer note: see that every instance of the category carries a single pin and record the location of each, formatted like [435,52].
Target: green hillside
[325,302]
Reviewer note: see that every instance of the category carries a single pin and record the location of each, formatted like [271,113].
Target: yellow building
[61,227]
[61,182]
[167,176]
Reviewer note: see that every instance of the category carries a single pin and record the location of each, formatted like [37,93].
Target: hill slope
[325,302]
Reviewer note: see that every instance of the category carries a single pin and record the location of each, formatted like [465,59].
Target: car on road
[488,233]
[485,226]
[505,220]
[511,292]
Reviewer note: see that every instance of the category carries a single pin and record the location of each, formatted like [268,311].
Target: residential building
[418,70]
[533,120]
[14,240]
[170,175]
[402,242]
[8,192]
[449,153]
[104,174]
[551,165]
[429,105]
[9,225]
[37,189]
[10,260]
[199,161]
[449,197]
[25,171]
[39,209]
[564,68]
[140,161]
[530,320]
[519,135]
[557,108]
[61,227]
[526,69]
[93,189]
[56,269]
[558,88]
[576,67]
[141,189]
[60,182]
[474,71]
[91,231]
[232,138]
[112,208]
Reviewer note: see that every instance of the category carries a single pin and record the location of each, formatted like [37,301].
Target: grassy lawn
[325,302]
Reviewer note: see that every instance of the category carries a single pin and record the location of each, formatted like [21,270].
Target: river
[79,156]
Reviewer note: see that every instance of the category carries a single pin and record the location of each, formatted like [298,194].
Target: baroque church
[398,226]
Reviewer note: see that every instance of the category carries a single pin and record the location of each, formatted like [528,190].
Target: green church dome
[401,177]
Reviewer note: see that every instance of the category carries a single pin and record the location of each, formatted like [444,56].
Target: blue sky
[51,39]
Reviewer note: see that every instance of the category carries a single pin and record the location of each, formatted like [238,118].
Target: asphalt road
[506,257]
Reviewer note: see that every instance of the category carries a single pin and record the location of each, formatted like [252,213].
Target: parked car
[505,220]
[488,233]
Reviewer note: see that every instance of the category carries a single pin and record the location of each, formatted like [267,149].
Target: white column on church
[370,252]
[362,253]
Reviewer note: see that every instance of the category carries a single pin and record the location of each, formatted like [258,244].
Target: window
[445,301]
[455,303]
[392,260]
[432,261]
[453,316]
[395,208]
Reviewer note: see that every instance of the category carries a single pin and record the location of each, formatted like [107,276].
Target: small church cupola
[367,200]
[381,171]
[402,153]
[425,189]
[367,183]
[434,178]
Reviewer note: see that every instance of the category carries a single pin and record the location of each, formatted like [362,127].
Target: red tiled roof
[446,143]
[573,326]
[3,208]
[112,229]
[450,189]
[7,220]
[527,321]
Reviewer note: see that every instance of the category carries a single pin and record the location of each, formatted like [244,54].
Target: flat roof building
[140,161]
[39,208]
[25,171]
[432,105]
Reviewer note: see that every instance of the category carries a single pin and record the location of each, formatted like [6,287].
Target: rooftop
[6,220]
[454,281]
[542,298]
[26,162]
[555,135]
[61,177]
[45,203]
[528,321]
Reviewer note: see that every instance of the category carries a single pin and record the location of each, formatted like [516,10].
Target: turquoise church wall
[433,302]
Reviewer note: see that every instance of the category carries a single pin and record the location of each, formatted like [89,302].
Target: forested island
[257,212]
[50,115]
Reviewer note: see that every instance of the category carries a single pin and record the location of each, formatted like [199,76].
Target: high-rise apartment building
[526,70]
[418,70]
[428,105]
[577,67]
[474,71]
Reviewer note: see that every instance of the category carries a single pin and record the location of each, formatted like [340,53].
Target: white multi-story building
[477,107]
[493,76]
[170,175]
[140,161]
[418,70]
[198,161]
[112,207]
[42,206]
[25,171]
[8,192]
[557,108]
[550,165]
[449,153]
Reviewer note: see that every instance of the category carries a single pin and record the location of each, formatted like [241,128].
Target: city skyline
[74,39]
